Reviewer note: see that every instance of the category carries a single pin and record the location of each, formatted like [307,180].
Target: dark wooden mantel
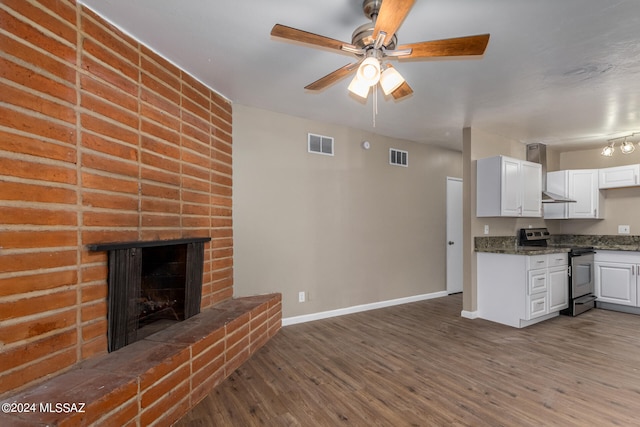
[114,246]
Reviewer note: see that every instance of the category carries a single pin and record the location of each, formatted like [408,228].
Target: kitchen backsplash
[496,242]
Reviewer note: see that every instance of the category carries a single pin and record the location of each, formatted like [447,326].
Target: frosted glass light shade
[369,71]
[390,80]
[359,88]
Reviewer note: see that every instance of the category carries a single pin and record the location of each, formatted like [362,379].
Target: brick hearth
[160,377]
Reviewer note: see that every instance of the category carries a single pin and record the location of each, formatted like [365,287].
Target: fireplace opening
[151,285]
[162,288]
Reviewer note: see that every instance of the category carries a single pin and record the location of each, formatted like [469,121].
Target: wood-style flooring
[421,364]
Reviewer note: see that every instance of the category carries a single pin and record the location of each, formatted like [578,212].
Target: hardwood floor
[421,364]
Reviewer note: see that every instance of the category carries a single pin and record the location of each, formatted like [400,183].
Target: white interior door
[454,235]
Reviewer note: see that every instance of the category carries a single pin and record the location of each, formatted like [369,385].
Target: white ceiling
[562,72]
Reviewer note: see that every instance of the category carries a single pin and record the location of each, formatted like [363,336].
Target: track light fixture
[608,150]
[626,147]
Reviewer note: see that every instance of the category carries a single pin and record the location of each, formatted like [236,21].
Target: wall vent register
[320,144]
[398,157]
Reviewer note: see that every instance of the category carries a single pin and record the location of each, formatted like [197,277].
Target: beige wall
[348,229]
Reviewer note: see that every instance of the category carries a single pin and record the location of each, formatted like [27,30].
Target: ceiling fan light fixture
[627,147]
[390,80]
[359,88]
[369,71]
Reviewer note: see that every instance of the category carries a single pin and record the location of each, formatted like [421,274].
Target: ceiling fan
[376,41]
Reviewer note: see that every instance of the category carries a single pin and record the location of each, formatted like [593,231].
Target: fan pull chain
[375,104]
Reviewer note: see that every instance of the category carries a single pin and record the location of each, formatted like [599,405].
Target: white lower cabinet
[536,306]
[616,280]
[558,287]
[520,290]
[537,298]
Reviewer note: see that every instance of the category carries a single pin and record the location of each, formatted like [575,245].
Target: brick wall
[101,140]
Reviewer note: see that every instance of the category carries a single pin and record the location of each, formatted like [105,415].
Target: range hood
[537,153]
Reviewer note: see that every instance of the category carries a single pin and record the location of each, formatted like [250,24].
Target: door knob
[450,242]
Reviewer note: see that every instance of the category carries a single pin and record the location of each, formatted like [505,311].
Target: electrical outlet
[486,229]
[623,229]
[301,296]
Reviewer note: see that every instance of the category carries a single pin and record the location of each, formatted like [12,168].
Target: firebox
[151,285]
[160,299]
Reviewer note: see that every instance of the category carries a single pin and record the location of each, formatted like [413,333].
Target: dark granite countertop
[612,247]
[557,244]
[524,250]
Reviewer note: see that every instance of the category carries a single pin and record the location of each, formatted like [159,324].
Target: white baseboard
[358,308]
[469,314]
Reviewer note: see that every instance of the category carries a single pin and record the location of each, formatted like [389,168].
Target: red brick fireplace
[101,140]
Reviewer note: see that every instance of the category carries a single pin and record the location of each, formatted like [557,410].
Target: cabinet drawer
[537,282]
[536,306]
[536,261]
[555,260]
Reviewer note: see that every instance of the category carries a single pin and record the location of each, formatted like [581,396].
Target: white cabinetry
[616,280]
[619,176]
[520,290]
[557,273]
[508,187]
[531,189]
[580,185]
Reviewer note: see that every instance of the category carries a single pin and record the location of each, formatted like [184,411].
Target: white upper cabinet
[511,193]
[531,189]
[619,176]
[580,185]
[508,187]
[583,188]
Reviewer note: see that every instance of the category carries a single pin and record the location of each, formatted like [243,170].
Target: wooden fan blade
[301,36]
[402,91]
[390,17]
[460,46]
[333,77]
